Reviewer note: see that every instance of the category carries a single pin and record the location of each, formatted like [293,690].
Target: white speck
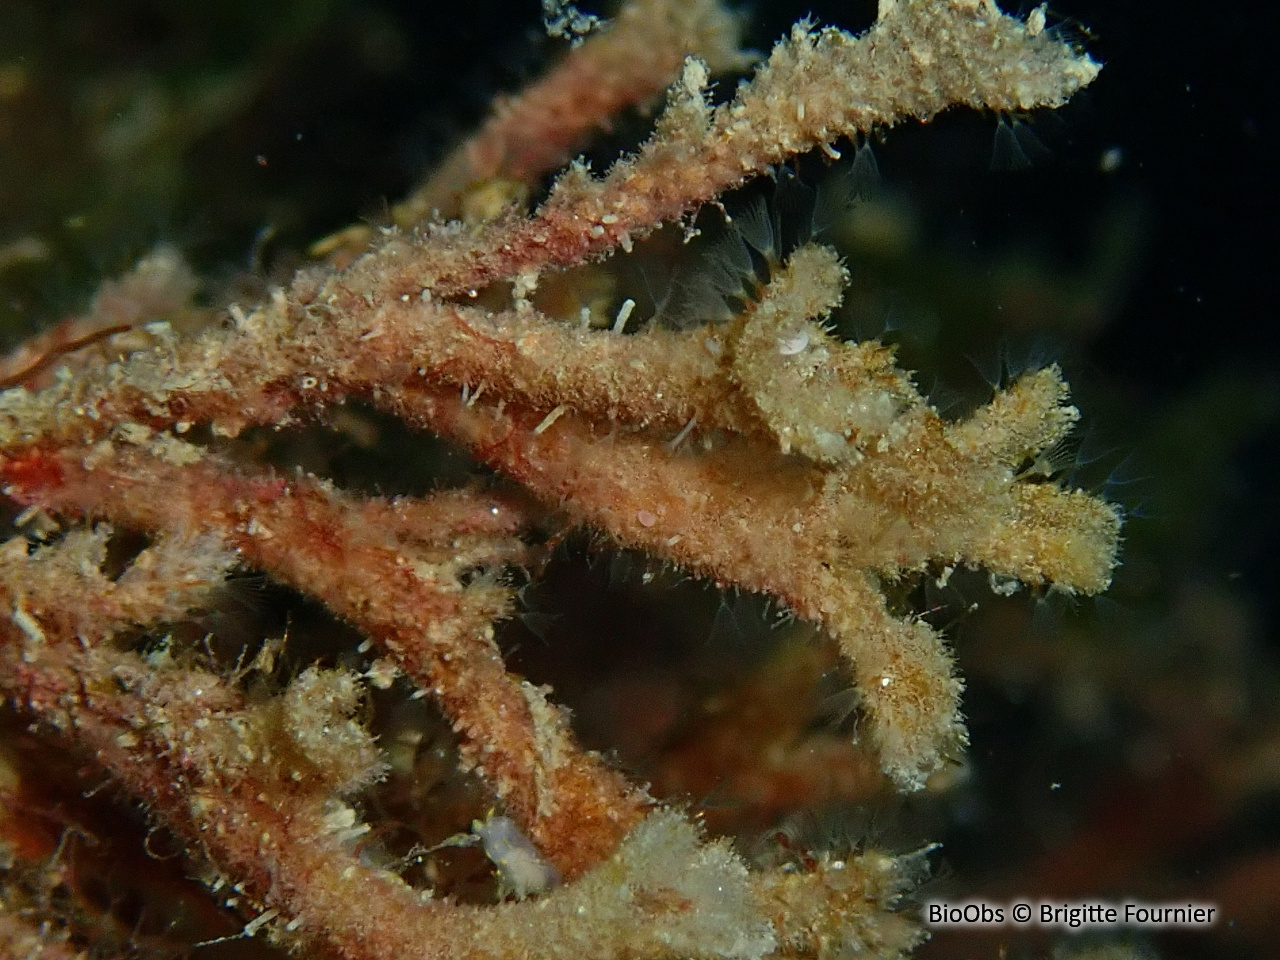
[790,346]
[645,518]
[549,419]
[29,625]
[521,868]
[382,673]
[256,528]
[624,314]
[694,77]
[256,924]
[1036,21]
[680,437]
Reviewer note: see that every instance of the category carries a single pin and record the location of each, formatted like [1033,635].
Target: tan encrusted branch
[886,487]
[816,537]
[628,63]
[918,59]
[763,453]
[258,790]
[159,288]
[400,588]
[801,903]
[297,353]
[921,57]
[165,581]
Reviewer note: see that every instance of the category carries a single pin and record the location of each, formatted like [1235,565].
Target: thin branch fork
[226,776]
[399,582]
[762,453]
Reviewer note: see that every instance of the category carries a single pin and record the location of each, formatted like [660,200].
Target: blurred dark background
[1124,748]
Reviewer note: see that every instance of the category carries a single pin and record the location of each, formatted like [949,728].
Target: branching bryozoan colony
[808,468]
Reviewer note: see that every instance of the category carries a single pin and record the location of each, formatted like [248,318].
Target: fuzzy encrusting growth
[625,64]
[762,453]
[259,790]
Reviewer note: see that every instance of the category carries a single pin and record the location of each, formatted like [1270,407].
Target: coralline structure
[760,452]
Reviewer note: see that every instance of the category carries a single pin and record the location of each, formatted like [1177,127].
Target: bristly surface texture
[760,452]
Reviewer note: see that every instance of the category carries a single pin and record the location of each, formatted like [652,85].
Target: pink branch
[406,596]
